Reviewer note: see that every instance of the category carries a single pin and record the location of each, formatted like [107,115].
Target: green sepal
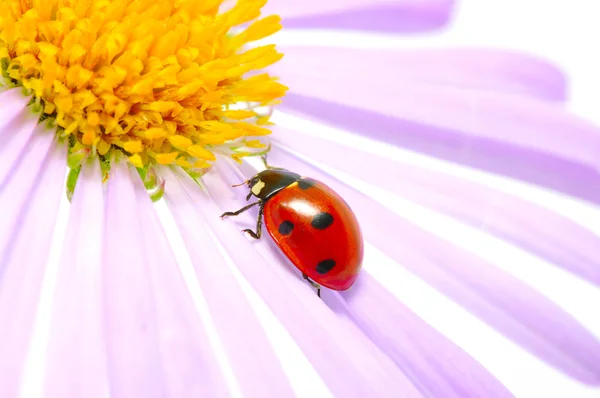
[142,171]
[60,132]
[9,81]
[155,186]
[105,165]
[157,193]
[44,118]
[75,159]
[72,181]
[197,173]
[148,177]
[151,181]
[37,106]
[194,174]
[4,62]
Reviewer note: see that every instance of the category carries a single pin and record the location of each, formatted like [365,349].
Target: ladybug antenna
[239,185]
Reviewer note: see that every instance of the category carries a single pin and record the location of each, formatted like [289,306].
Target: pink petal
[304,69]
[76,362]
[359,371]
[239,330]
[541,231]
[512,307]
[434,376]
[29,202]
[154,338]
[515,136]
[378,15]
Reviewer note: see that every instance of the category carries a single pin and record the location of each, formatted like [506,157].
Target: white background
[566,32]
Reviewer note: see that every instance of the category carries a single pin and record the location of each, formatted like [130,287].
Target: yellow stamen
[198,151]
[166,158]
[153,79]
[254,144]
[136,160]
[239,114]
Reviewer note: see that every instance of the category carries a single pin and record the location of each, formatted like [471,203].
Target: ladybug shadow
[339,301]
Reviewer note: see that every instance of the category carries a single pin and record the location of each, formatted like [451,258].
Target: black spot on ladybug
[322,220]
[306,183]
[286,227]
[325,266]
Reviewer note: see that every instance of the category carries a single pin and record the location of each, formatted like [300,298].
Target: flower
[128,314]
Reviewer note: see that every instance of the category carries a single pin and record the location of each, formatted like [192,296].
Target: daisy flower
[151,110]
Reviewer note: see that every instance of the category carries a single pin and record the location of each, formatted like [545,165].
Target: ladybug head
[268,182]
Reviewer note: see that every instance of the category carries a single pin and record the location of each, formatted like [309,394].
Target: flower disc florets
[160,81]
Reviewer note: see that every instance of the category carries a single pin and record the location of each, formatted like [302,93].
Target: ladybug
[311,224]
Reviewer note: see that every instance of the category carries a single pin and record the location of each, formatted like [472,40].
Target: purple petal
[21,183]
[433,361]
[13,103]
[131,328]
[543,232]
[186,351]
[435,376]
[305,69]
[375,15]
[156,343]
[16,140]
[360,371]
[76,362]
[239,331]
[510,306]
[29,204]
[534,141]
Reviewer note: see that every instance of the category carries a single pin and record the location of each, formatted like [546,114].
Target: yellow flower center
[160,81]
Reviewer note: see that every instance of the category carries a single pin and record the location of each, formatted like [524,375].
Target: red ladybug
[313,226]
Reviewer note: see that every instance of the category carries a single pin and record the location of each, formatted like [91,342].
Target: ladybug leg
[243,209]
[264,160]
[313,284]
[267,165]
[263,157]
[256,235]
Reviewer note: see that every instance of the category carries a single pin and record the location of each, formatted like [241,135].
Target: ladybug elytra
[311,224]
